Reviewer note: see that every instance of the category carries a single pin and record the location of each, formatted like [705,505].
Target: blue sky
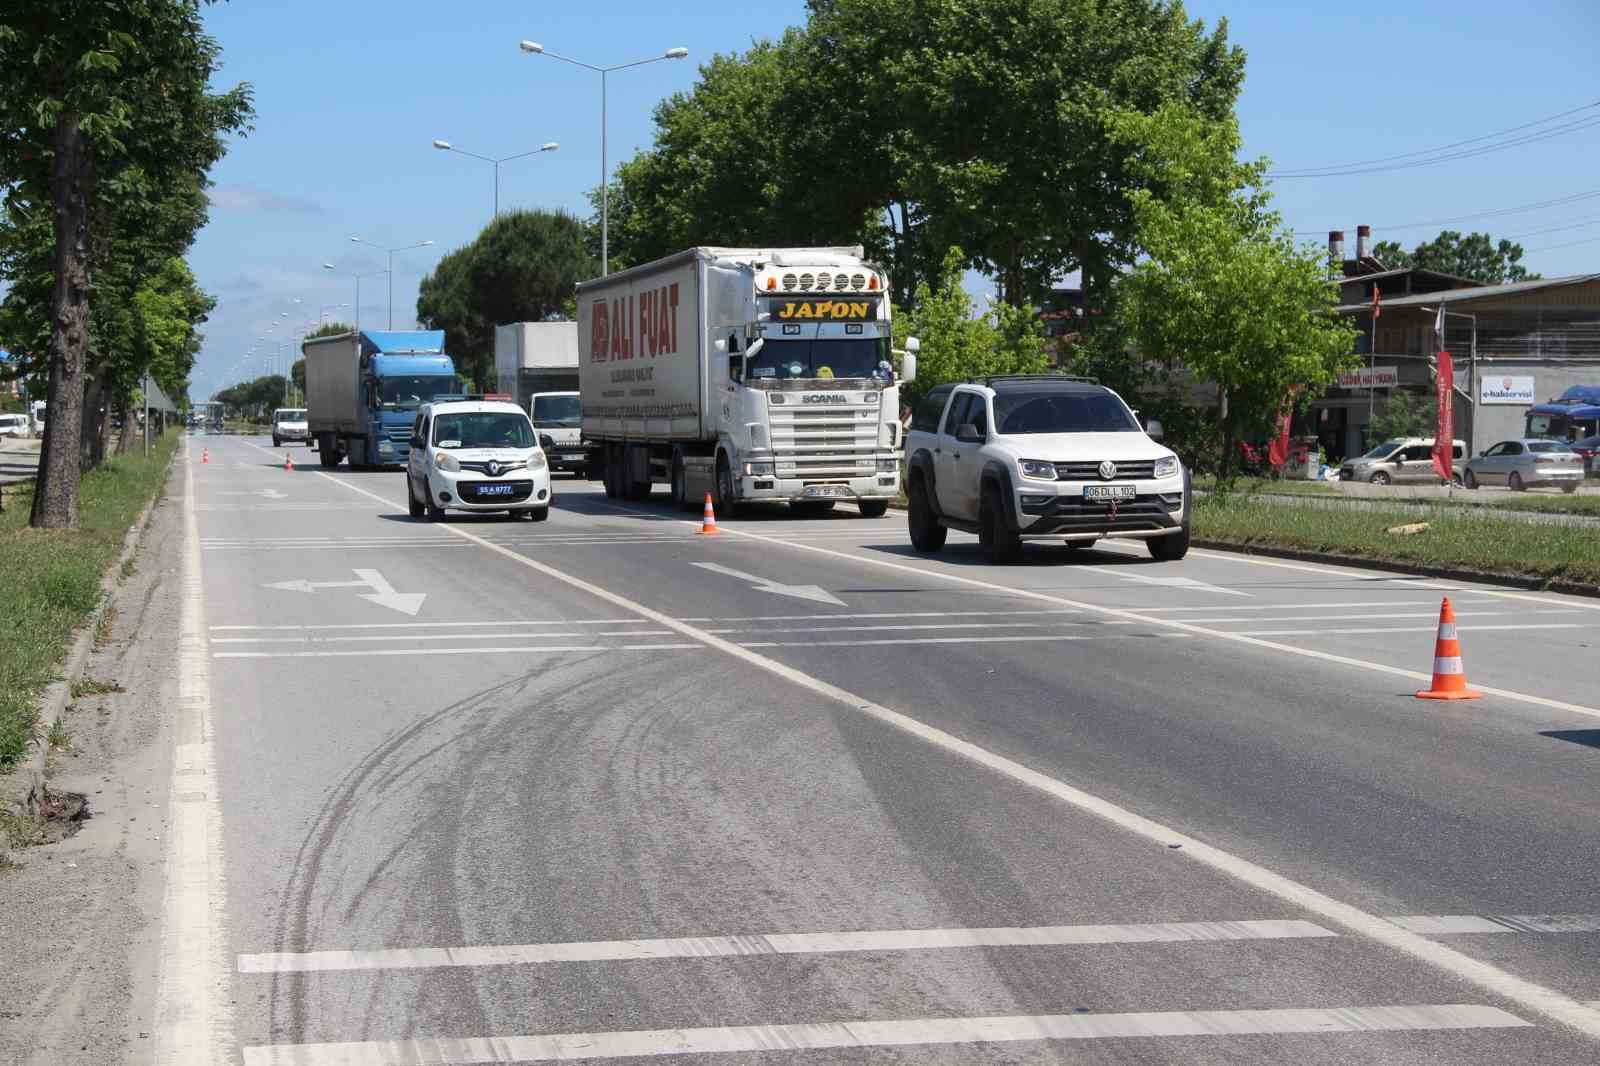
[350,94]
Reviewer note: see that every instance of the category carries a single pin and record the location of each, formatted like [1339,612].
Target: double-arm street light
[391,251]
[446,146]
[537,49]
[358,277]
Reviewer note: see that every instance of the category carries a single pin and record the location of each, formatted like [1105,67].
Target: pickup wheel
[417,508]
[873,508]
[1170,548]
[1001,545]
[927,535]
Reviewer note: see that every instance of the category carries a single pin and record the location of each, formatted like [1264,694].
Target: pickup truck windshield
[413,391]
[557,411]
[482,429]
[832,357]
[1061,412]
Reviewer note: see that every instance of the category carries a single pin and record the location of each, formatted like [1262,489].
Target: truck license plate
[827,491]
[496,490]
[1110,492]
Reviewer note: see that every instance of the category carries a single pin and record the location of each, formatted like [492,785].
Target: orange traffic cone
[708,524]
[1449,679]
[205,456]
[288,461]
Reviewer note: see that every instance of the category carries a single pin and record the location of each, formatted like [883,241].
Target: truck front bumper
[884,486]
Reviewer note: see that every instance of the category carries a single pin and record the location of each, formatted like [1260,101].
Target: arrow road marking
[382,594]
[799,592]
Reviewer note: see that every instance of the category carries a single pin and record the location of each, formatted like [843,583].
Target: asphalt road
[610,789]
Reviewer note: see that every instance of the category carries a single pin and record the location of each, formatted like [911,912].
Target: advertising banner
[1504,389]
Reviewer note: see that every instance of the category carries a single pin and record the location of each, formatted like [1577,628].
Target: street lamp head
[443,146]
[677,53]
[532,47]
[327,266]
[550,146]
[356,240]
[425,244]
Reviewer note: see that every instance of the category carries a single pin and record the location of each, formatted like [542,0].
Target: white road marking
[1168,623]
[193,1009]
[880,614]
[1420,583]
[433,625]
[1529,994]
[1172,582]
[1439,924]
[912,1032]
[520,649]
[382,594]
[880,628]
[1304,616]
[1019,639]
[1359,605]
[799,592]
[544,635]
[711,947]
[1406,629]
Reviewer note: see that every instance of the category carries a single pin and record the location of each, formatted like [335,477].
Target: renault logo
[1108,470]
[494,468]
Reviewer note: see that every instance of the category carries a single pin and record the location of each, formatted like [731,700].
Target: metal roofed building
[1514,345]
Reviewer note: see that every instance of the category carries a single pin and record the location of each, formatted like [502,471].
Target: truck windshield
[557,411]
[1061,412]
[414,391]
[482,429]
[830,357]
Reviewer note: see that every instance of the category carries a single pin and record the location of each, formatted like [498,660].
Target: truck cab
[558,419]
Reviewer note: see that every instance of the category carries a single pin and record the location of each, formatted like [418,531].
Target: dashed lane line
[1528,994]
[914,1032]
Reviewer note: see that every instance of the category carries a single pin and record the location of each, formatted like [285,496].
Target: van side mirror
[416,441]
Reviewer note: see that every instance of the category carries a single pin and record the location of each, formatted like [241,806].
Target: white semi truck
[759,375]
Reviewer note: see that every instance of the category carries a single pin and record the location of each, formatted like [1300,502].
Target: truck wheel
[725,502]
[416,508]
[927,535]
[680,485]
[608,472]
[1002,546]
[327,451]
[873,508]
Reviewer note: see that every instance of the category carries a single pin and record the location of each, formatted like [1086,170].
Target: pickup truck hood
[1064,447]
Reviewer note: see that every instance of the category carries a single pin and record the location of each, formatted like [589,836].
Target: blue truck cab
[363,391]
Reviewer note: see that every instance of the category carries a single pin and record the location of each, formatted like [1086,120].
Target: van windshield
[482,429]
[557,411]
[1383,449]
[291,416]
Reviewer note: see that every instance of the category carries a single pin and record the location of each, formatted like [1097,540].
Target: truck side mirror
[908,366]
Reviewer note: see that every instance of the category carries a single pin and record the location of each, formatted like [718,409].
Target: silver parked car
[1526,464]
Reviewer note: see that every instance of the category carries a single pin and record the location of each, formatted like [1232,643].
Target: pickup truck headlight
[1037,469]
[1166,466]
[537,461]
[446,462]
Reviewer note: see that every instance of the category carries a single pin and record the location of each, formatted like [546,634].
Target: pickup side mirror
[968,434]
[1154,430]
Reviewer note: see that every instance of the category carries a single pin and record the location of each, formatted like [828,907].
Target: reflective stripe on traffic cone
[1449,679]
[708,524]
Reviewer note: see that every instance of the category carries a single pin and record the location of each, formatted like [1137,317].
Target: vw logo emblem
[493,468]
[1108,470]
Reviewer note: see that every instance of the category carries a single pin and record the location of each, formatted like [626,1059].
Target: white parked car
[16,426]
[477,454]
[1040,455]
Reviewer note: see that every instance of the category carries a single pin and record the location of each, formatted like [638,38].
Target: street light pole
[446,146]
[357,277]
[391,251]
[535,48]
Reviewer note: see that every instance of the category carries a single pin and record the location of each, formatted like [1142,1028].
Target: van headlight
[536,461]
[446,462]
[1037,469]
[1166,466]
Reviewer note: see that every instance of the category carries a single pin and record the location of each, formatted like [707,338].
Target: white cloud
[249,198]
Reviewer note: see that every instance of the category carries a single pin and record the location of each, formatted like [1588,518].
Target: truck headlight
[1166,466]
[888,466]
[758,469]
[1037,469]
[446,462]
[537,461]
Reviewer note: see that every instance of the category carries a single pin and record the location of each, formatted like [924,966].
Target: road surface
[604,788]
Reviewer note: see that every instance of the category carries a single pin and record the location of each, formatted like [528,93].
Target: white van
[16,426]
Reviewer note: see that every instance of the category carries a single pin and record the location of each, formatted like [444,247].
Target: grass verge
[1467,538]
[1547,501]
[52,580]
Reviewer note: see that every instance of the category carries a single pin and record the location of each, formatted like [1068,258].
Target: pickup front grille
[1089,470]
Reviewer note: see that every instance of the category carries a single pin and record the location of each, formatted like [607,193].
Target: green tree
[1226,296]
[107,112]
[1476,255]
[1406,414]
[445,300]
[958,345]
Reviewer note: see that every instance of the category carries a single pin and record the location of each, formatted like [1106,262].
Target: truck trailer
[759,375]
[537,362]
[363,390]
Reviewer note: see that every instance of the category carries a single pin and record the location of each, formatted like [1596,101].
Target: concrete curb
[1448,573]
[22,790]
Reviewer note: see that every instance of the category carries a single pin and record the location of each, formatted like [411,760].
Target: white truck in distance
[759,375]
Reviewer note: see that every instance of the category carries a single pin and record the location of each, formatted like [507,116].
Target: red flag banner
[1444,434]
[1278,446]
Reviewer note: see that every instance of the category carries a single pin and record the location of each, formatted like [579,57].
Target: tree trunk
[95,424]
[125,442]
[1230,441]
[55,499]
